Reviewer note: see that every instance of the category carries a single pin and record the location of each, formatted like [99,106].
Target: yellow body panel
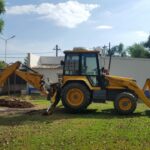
[86,81]
[116,85]
[79,78]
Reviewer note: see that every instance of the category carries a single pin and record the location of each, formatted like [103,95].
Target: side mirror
[62,63]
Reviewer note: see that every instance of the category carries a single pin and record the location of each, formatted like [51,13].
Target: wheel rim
[125,104]
[75,97]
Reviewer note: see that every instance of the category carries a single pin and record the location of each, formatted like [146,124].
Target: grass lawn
[96,129]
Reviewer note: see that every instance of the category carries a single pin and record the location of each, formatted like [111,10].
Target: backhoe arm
[35,79]
[4,75]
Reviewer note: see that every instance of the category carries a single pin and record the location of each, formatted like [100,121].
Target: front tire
[75,97]
[125,103]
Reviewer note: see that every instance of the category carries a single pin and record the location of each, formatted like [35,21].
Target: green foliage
[2,10]
[138,51]
[112,51]
[26,61]
[117,50]
[147,43]
[1,25]
[2,6]
[121,51]
[2,64]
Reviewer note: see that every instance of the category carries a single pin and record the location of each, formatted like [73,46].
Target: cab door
[90,68]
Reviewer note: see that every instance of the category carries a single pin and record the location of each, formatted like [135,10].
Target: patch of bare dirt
[15,103]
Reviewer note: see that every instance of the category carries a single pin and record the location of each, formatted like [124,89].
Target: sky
[38,25]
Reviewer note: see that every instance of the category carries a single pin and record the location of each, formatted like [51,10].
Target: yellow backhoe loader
[84,82]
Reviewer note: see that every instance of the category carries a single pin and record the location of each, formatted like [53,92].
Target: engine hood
[117,82]
[119,78]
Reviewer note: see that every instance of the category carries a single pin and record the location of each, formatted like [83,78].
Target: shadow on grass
[60,114]
[147,113]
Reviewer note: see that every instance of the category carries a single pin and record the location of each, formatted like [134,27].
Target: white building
[46,65]
[138,68]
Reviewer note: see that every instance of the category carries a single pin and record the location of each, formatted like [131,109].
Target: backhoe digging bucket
[54,101]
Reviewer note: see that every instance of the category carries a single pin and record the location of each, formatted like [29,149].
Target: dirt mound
[15,103]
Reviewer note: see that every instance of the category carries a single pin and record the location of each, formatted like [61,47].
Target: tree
[121,51]
[2,64]
[147,43]
[113,50]
[26,61]
[117,50]
[138,51]
[2,10]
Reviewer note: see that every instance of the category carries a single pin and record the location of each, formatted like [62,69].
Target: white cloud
[19,10]
[142,34]
[68,14]
[104,27]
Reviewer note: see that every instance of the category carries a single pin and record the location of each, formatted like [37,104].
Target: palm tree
[2,10]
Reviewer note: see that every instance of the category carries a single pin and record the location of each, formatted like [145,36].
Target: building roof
[47,67]
[81,51]
[48,60]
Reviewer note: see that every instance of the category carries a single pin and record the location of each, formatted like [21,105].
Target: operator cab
[83,63]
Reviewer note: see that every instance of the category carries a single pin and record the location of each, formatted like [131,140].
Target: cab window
[72,65]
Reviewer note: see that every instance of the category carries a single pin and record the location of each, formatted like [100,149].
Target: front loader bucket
[146,88]
[147,85]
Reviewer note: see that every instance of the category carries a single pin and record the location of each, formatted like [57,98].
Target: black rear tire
[85,99]
[127,106]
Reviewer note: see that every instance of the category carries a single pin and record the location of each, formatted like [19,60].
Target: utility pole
[104,54]
[110,56]
[56,49]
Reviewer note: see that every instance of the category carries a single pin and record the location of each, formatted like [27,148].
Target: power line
[11,54]
[42,53]
[27,53]
[13,57]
